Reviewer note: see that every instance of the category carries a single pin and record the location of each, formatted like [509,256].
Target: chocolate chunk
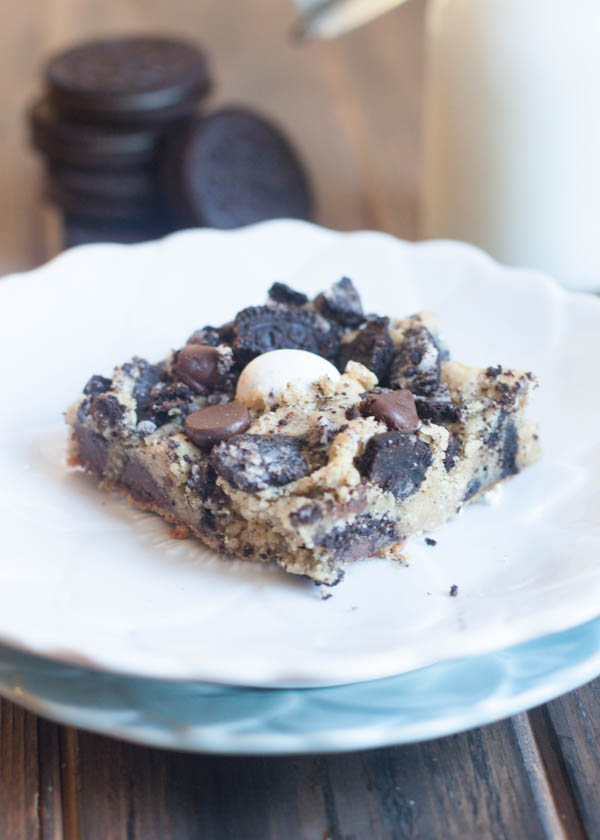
[360,538]
[472,487]
[259,329]
[255,462]
[93,449]
[416,363]
[282,293]
[452,453]
[201,366]
[372,347]
[396,409]
[216,423]
[396,461]
[128,78]
[97,385]
[108,408]
[141,484]
[341,303]
[438,408]
[202,479]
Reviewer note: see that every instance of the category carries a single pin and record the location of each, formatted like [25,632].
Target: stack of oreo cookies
[130,156]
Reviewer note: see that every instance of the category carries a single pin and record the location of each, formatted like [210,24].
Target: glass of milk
[512,132]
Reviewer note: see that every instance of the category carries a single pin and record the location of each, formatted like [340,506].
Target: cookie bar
[305,432]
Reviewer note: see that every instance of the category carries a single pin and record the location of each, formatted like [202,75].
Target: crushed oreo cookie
[438,407]
[259,329]
[396,462]
[97,385]
[282,293]
[452,453]
[341,303]
[372,347]
[416,363]
[453,591]
[108,408]
[359,538]
[473,487]
[256,462]
[202,479]
[166,401]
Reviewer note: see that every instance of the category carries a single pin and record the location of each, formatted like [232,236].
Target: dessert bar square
[305,432]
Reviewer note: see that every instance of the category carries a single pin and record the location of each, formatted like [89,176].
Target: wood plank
[19,775]
[469,785]
[568,734]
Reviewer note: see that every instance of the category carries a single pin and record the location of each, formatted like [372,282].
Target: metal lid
[330,18]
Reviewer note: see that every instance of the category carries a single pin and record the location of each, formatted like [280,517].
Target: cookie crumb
[325,593]
[453,591]
[430,541]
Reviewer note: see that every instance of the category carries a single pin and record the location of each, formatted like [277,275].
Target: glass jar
[512,132]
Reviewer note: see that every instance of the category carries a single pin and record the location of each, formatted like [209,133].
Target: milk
[512,132]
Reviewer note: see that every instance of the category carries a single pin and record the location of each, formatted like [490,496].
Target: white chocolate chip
[266,376]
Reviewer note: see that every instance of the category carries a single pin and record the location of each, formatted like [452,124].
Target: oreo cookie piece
[342,303]
[372,347]
[416,363]
[256,462]
[259,329]
[234,168]
[396,462]
[77,144]
[128,79]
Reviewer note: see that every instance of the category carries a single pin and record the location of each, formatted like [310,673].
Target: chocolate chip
[201,366]
[97,385]
[396,409]
[372,347]
[282,293]
[452,453]
[416,363]
[396,462]
[259,329]
[341,303]
[216,423]
[438,408]
[255,462]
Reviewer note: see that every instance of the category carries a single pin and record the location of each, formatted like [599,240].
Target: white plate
[84,578]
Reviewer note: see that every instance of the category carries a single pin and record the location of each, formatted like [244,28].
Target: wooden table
[353,107]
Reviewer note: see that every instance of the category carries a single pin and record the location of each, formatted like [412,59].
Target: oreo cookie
[234,168]
[73,142]
[128,79]
[139,184]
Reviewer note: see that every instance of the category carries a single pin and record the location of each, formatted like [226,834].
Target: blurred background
[351,106]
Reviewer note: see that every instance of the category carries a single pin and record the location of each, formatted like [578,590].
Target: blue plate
[439,700]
